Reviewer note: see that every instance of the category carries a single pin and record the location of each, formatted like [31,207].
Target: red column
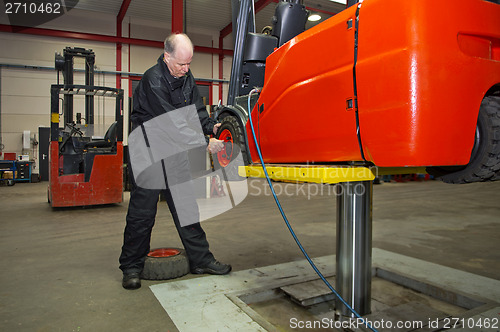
[119,21]
[177,16]
[221,66]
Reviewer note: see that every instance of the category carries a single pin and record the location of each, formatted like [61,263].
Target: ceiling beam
[123,10]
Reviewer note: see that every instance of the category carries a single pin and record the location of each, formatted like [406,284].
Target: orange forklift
[84,168]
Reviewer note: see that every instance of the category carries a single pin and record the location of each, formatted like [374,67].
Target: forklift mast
[251,48]
[65,64]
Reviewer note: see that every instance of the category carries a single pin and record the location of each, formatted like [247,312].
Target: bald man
[165,87]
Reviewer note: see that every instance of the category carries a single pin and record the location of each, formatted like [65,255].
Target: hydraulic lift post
[354,193]
[354,225]
[354,247]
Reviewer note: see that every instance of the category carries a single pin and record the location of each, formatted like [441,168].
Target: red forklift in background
[85,168]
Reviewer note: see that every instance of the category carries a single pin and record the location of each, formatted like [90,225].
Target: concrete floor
[60,266]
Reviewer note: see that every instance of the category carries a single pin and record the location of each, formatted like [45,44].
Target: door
[43,152]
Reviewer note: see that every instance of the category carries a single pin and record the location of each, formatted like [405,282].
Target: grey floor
[60,266]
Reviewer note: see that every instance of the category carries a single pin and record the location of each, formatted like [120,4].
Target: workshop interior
[357,188]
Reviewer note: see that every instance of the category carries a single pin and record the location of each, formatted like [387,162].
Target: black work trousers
[140,221]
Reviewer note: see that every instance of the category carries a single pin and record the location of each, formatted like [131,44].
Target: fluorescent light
[314,18]
[344,2]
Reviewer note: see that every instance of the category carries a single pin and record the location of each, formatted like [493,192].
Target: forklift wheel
[11,182]
[165,263]
[231,133]
[484,164]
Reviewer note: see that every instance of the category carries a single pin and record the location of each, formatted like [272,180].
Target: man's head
[178,54]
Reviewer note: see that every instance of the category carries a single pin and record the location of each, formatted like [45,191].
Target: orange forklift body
[408,96]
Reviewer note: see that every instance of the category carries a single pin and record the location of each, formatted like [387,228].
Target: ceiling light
[344,2]
[314,18]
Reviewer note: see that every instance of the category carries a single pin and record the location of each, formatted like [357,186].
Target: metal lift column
[354,193]
[354,247]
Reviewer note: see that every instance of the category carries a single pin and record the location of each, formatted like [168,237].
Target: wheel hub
[163,252]
[225,155]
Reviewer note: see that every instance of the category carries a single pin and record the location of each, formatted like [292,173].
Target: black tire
[484,164]
[11,182]
[164,268]
[231,132]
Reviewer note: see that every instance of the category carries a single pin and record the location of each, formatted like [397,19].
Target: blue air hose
[290,227]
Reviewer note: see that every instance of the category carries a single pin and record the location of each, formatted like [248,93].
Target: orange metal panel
[419,92]
[423,68]
[307,83]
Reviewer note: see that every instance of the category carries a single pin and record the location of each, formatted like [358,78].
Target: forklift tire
[11,182]
[484,164]
[165,263]
[231,132]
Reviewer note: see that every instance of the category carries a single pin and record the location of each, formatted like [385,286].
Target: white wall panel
[24,105]
[142,58]
[149,30]
[21,82]
[19,122]
[201,65]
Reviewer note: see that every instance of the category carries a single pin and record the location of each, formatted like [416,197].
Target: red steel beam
[119,22]
[226,30]
[101,38]
[123,10]
[177,16]
[261,4]
[221,65]
[320,11]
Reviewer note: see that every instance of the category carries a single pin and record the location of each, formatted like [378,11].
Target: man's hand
[215,145]
[216,127]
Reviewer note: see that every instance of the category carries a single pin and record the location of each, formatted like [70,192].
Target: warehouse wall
[25,92]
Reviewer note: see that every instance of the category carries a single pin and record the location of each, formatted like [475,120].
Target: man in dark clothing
[167,86]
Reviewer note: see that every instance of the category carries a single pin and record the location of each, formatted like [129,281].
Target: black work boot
[131,280]
[214,267]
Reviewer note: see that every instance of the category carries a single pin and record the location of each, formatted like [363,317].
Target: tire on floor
[165,263]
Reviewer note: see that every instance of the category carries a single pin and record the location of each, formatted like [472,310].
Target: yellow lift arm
[324,173]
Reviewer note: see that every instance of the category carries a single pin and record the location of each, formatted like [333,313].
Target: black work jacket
[154,96]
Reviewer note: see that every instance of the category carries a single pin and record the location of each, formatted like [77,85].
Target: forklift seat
[109,138]
[101,147]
